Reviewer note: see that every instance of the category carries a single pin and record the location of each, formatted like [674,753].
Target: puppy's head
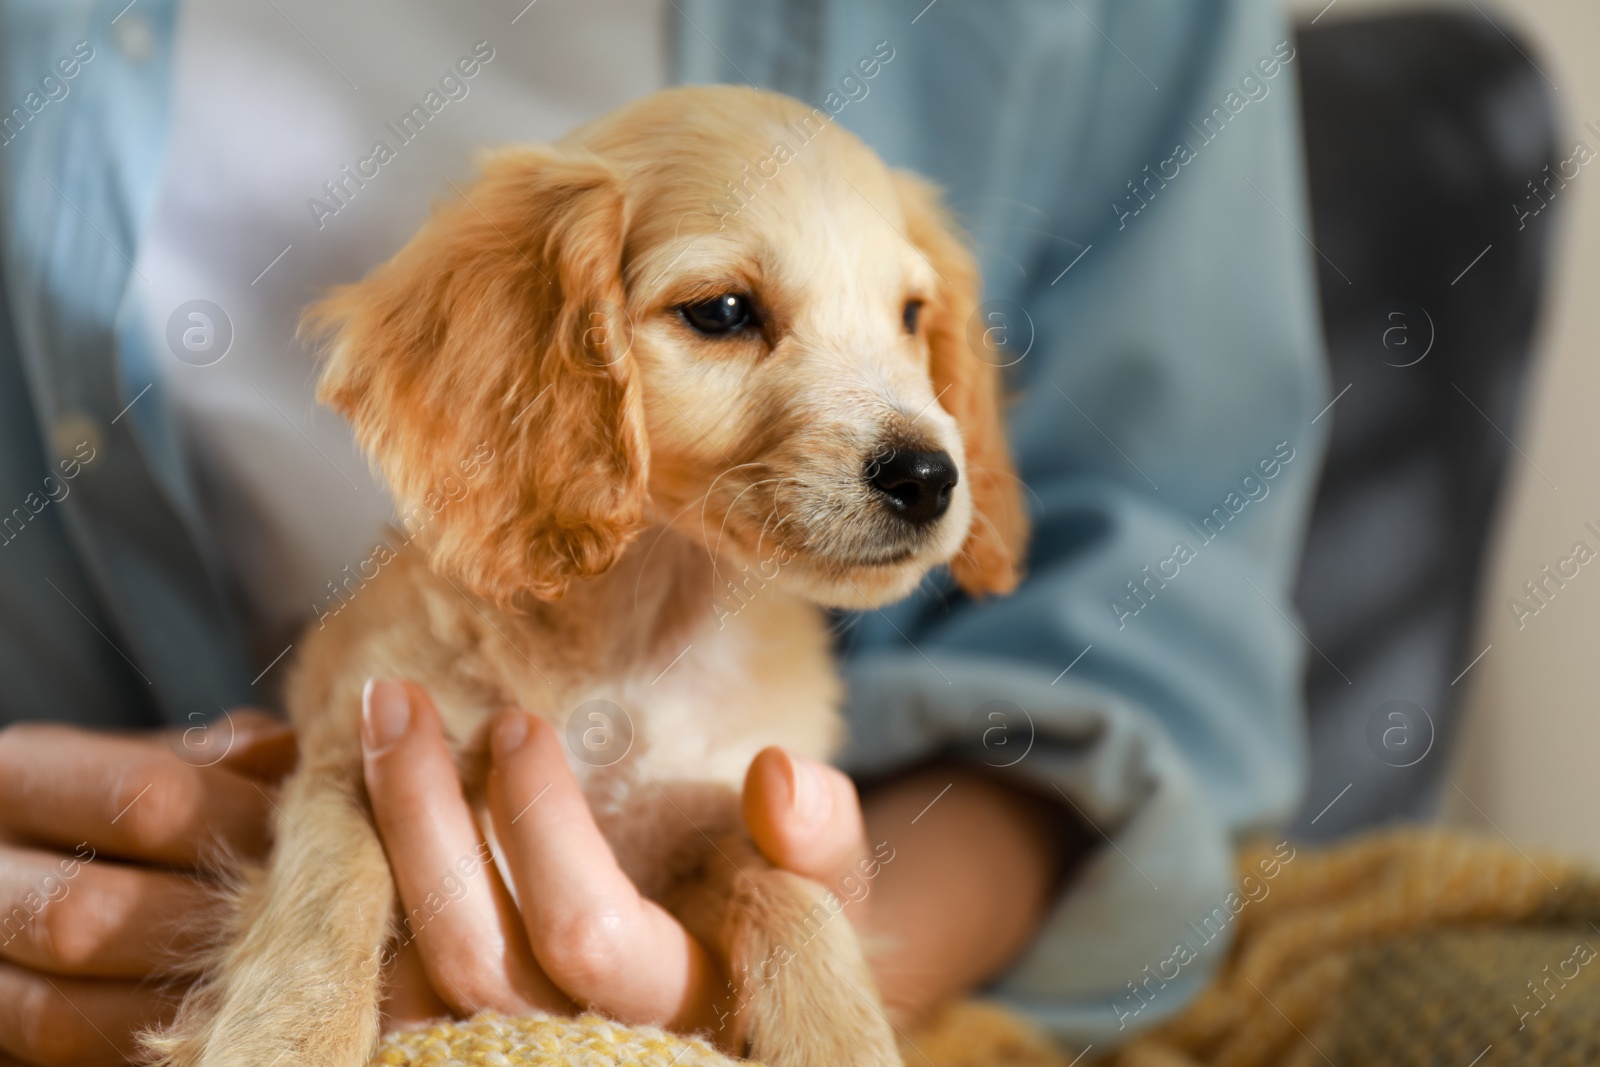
[712,310]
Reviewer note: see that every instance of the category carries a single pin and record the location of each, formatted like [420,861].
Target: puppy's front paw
[837,1031]
[243,1038]
[280,990]
[807,998]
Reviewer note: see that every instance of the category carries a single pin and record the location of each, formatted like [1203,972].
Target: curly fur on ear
[970,389]
[497,326]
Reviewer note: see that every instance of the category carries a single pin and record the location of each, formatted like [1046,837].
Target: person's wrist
[977,864]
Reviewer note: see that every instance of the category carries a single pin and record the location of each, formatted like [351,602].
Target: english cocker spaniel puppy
[653,396]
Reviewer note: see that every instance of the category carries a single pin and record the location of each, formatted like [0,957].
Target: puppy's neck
[664,590]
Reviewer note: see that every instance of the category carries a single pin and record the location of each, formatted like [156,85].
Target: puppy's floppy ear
[487,356]
[970,389]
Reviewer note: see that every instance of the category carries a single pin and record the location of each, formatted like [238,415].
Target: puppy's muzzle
[912,484]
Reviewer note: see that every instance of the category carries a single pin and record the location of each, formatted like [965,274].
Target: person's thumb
[806,818]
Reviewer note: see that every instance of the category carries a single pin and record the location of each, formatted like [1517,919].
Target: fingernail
[811,797]
[385,713]
[509,734]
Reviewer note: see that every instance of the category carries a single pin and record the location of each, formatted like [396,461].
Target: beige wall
[1530,764]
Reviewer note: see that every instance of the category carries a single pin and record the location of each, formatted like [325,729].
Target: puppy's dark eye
[911,314]
[719,316]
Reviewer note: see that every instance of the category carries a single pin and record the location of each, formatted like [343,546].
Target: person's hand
[583,934]
[99,834]
[976,871]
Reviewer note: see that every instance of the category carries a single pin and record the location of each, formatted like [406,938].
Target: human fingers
[62,785]
[83,916]
[46,1021]
[608,946]
[247,741]
[465,926]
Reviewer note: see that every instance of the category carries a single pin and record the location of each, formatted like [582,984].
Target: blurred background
[1479,466]
[1531,755]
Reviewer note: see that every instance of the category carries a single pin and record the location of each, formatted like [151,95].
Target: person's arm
[99,837]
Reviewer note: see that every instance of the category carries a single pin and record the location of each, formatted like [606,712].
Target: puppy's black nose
[915,485]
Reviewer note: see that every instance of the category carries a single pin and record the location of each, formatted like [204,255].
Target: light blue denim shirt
[1130,173]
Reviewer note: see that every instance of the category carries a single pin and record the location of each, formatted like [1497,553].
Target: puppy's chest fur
[663,682]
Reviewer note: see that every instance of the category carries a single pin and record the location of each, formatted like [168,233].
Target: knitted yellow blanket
[1407,948]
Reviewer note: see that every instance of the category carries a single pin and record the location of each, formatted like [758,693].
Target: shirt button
[134,37]
[76,437]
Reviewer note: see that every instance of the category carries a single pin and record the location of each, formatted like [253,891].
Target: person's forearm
[972,877]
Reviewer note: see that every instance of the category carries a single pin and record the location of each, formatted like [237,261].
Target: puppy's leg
[295,980]
[801,994]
